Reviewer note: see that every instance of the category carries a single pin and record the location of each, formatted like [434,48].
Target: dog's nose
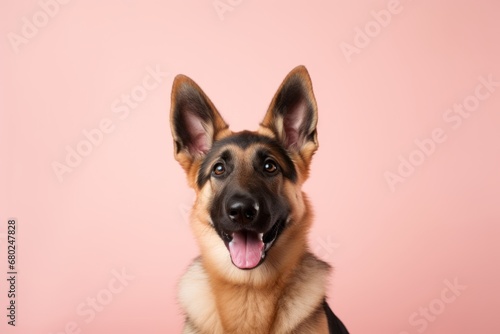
[242,209]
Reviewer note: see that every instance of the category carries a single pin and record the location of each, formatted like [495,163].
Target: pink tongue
[246,249]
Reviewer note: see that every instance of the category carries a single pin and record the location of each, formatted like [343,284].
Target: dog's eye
[270,166]
[219,169]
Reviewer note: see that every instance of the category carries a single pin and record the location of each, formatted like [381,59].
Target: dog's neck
[215,304]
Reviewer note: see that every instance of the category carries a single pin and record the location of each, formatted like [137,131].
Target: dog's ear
[293,114]
[194,121]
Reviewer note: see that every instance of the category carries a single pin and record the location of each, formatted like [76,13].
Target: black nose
[242,209]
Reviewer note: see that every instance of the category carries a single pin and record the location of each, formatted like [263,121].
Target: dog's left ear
[194,120]
[293,114]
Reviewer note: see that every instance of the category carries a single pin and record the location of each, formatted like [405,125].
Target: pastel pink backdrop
[125,205]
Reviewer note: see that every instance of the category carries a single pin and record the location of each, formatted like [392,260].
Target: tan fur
[287,304]
[279,296]
[285,293]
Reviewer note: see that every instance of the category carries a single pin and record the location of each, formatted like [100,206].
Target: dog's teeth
[261,235]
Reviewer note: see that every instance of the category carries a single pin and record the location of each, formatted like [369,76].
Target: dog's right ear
[194,121]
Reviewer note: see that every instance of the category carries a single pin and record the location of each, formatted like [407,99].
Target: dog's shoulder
[302,299]
[196,298]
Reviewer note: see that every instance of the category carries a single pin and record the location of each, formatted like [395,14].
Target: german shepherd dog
[255,274]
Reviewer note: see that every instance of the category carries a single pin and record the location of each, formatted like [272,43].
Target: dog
[251,219]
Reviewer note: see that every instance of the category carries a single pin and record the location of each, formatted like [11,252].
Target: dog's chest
[234,311]
[242,310]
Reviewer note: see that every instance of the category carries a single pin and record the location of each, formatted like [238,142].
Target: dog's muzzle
[249,230]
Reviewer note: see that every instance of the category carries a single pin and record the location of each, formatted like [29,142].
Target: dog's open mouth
[248,248]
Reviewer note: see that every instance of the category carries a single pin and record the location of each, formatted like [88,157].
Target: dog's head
[248,184]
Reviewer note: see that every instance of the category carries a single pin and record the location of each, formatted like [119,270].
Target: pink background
[125,205]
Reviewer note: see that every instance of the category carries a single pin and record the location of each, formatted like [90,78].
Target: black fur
[335,326]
